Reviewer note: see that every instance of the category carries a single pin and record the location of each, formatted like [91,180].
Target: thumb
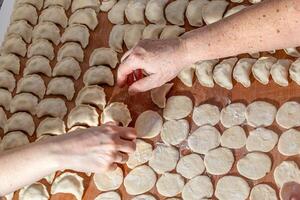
[145,84]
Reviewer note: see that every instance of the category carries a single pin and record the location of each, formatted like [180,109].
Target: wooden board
[218,96]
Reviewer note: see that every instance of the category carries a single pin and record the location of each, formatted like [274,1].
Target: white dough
[175,11]
[280,72]
[232,188]
[206,114]
[170,185]
[204,139]
[288,115]
[197,188]
[109,180]
[263,192]
[177,107]
[219,161]
[140,180]
[289,143]
[36,191]
[234,10]
[190,166]
[142,154]
[234,138]
[222,73]
[175,132]
[292,52]
[155,11]
[148,124]
[194,12]
[261,139]
[260,114]
[295,71]
[158,95]
[242,71]
[187,76]
[144,197]
[233,115]
[204,72]
[261,69]
[214,10]
[108,196]
[286,171]
[164,158]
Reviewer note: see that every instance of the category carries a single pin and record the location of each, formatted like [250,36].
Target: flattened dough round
[287,171]
[177,107]
[233,115]
[206,114]
[164,158]
[289,143]
[254,166]
[288,115]
[261,139]
[148,124]
[144,197]
[190,166]
[204,139]
[142,154]
[232,188]
[109,180]
[260,114]
[108,196]
[197,188]
[170,185]
[219,161]
[263,192]
[174,132]
[234,138]
[140,180]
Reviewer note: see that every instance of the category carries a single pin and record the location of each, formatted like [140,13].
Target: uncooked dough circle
[260,114]
[178,107]
[148,124]
[288,115]
[261,139]
[190,166]
[234,138]
[232,188]
[108,196]
[140,180]
[254,166]
[144,197]
[206,114]
[174,132]
[289,143]
[219,161]
[170,185]
[197,188]
[287,171]
[233,115]
[109,180]
[204,139]
[263,192]
[142,154]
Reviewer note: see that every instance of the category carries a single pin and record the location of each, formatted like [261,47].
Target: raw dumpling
[76,33]
[199,187]
[32,84]
[7,80]
[234,10]
[116,37]
[190,166]
[116,112]
[104,56]
[260,114]
[98,75]
[152,31]
[54,14]
[280,72]
[133,34]
[63,3]
[14,44]
[148,124]
[86,17]
[116,14]
[214,10]
[67,67]
[68,183]
[187,76]
[177,107]
[52,126]
[108,196]
[155,11]
[70,49]
[135,11]
[93,95]
[167,179]
[83,115]
[5,99]
[204,72]
[41,47]
[20,121]
[79,4]
[38,64]
[158,95]
[3,119]
[10,62]
[292,52]
[61,86]
[175,132]
[261,139]
[288,115]
[34,191]
[25,12]
[141,155]
[287,171]
[38,4]
[106,5]
[24,102]
[21,28]
[294,71]
[175,12]
[222,73]
[242,71]
[171,31]
[13,140]
[194,12]
[261,69]
[109,180]
[233,115]
[206,114]
[289,143]
[48,31]
[54,107]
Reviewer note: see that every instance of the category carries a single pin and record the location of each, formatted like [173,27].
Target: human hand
[95,149]
[161,60]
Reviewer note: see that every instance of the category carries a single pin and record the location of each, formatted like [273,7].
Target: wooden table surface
[218,96]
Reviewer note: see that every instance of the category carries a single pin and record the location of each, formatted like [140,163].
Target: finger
[121,158]
[126,146]
[126,55]
[111,167]
[144,84]
[125,68]
[128,133]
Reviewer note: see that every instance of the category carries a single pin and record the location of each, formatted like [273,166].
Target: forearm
[273,24]
[25,165]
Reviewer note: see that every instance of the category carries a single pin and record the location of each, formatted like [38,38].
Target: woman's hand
[95,149]
[161,60]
